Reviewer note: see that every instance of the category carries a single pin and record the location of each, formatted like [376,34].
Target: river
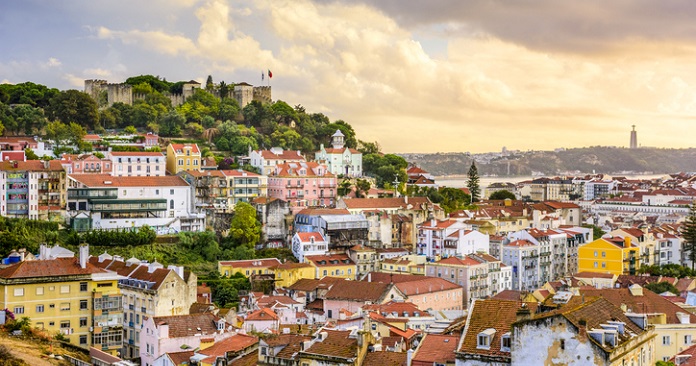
[459,181]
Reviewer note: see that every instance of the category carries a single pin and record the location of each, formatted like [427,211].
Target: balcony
[294,185]
[327,185]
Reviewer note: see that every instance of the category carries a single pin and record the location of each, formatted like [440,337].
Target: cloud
[159,41]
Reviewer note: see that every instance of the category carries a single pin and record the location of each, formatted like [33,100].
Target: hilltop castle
[123,93]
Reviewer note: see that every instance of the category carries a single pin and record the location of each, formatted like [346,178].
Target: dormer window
[483,341]
[505,342]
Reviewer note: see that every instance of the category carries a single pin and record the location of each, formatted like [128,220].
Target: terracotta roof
[31,165]
[250,359]
[327,260]
[385,358]
[270,300]
[103,356]
[426,285]
[513,295]
[324,211]
[649,302]
[310,284]
[285,155]
[239,173]
[262,314]
[466,261]
[180,147]
[559,205]
[597,311]
[331,150]
[306,237]
[372,203]
[635,232]
[179,358]
[235,343]
[48,268]
[520,243]
[436,348]
[157,276]
[686,357]
[293,265]
[337,344]
[593,275]
[391,277]
[358,291]
[188,325]
[253,263]
[487,314]
[106,180]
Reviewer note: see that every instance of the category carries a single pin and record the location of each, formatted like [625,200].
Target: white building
[339,159]
[523,257]
[266,160]
[311,243]
[137,164]
[450,238]
[100,201]
[553,251]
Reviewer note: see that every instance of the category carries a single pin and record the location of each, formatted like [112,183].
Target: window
[482,341]
[19,310]
[171,192]
[19,291]
[171,204]
[65,289]
[39,308]
[595,253]
[65,324]
[687,339]
[596,264]
[83,322]
[83,339]
[64,306]
[604,254]
[83,286]
[505,342]
[83,304]
[665,340]
[39,290]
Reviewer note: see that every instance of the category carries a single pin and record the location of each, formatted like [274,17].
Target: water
[460,181]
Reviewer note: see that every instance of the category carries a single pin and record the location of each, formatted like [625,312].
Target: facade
[221,190]
[67,295]
[288,273]
[432,293]
[248,267]
[266,160]
[85,164]
[148,290]
[365,259]
[32,189]
[339,159]
[274,215]
[615,255]
[341,228]
[100,201]
[449,238]
[523,256]
[351,296]
[183,157]
[137,164]
[311,243]
[334,265]
[553,251]
[481,275]
[303,185]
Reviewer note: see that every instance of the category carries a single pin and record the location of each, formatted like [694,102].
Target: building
[66,295]
[523,256]
[615,255]
[85,164]
[100,201]
[335,347]
[32,189]
[365,259]
[221,190]
[334,265]
[340,160]
[436,349]
[303,185]
[487,338]
[266,160]
[137,164]
[275,217]
[481,275]
[634,138]
[286,274]
[449,238]
[409,264]
[248,267]
[148,290]
[183,157]
[341,228]
[311,243]
[351,296]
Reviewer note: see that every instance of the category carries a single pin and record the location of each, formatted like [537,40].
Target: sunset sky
[416,76]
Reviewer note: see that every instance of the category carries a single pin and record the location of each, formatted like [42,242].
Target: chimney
[42,251]
[84,255]
[523,313]
[627,242]
[409,357]
[635,290]
[177,269]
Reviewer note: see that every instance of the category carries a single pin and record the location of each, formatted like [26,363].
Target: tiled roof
[103,356]
[188,325]
[436,348]
[466,261]
[311,169]
[157,276]
[106,180]
[385,358]
[331,150]
[649,302]
[306,237]
[235,343]
[487,314]
[686,357]
[180,147]
[250,359]
[239,173]
[557,205]
[426,285]
[253,263]
[179,358]
[324,211]
[520,243]
[48,268]
[261,315]
[285,155]
[391,277]
[358,291]
[293,265]
[597,311]
[310,284]
[593,275]
[372,203]
[328,260]
[270,300]
[31,165]
[337,344]
[513,295]
[137,153]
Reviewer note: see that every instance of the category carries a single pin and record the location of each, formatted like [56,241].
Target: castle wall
[93,87]
[262,94]
[120,93]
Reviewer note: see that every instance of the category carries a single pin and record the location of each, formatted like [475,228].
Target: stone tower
[634,138]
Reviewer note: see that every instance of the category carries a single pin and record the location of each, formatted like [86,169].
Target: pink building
[17,143]
[138,164]
[303,184]
[433,293]
[85,164]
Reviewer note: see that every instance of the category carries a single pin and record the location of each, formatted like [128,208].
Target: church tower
[337,140]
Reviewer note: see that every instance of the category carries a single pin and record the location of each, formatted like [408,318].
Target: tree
[30,154]
[688,232]
[245,229]
[361,187]
[130,130]
[660,287]
[74,106]
[473,183]
[209,83]
[501,195]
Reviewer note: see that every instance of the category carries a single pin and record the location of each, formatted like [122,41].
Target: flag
[262,75]
[270,74]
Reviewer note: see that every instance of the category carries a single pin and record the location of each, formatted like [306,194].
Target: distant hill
[599,159]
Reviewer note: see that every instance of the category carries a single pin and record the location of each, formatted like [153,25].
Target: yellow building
[248,267]
[69,296]
[334,265]
[408,264]
[288,273]
[183,157]
[615,255]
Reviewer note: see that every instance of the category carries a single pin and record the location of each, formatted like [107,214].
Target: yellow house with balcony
[183,157]
[288,273]
[69,296]
[615,255]
[248,267]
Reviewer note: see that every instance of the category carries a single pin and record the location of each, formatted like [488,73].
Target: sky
[415,76]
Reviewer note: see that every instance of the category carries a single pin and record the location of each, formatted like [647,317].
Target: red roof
[435,348]
[106,180]
[253,263]
[262,315]
[400,202]
[236,343]
[330,260]
[426,285]
[48,268]
[137,153]
[521,243]
[188,325]
[306,237]
[285,155]
[179,148]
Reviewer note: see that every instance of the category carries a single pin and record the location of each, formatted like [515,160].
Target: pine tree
[473,183]
[209,83]
[688,232]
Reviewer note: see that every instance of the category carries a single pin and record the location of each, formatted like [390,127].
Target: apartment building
[85,164]
[32,189]
[183,157]
[523,256]
[266,160]
[481,275]
[137,164]
[303,185]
